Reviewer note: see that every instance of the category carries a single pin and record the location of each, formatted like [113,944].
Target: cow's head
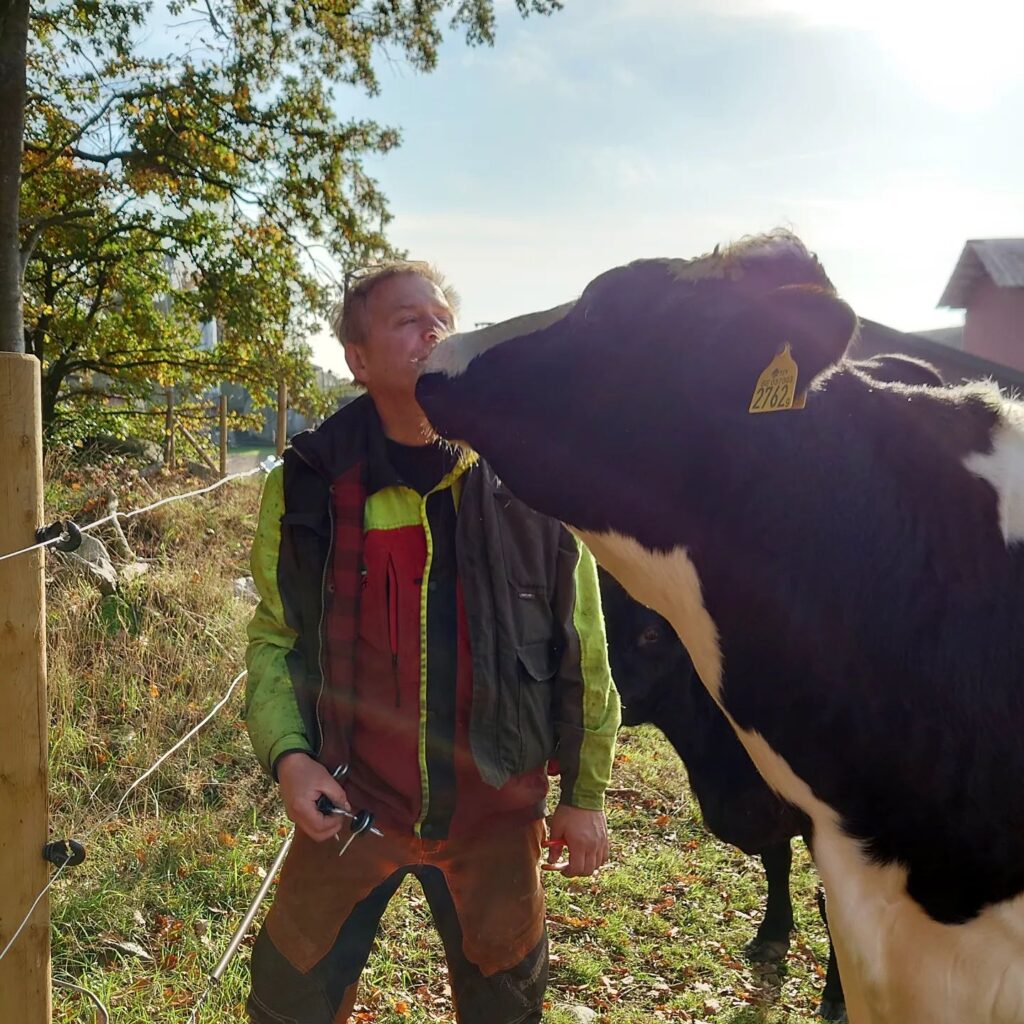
[647,660]
[673,347]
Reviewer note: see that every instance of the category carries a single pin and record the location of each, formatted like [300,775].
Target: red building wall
[994,326]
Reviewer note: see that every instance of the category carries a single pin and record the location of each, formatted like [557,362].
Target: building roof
[955,365]
[1000,259]
[951,337]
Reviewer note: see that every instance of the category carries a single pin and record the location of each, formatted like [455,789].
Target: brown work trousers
[484,893]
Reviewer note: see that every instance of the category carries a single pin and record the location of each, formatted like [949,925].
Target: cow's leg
[833,1003]
[771,943]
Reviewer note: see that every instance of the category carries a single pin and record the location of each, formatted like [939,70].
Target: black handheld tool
[362,821]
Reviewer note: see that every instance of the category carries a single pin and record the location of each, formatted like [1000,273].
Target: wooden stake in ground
[25,970]
[223,436]
[282,417]
[169,431]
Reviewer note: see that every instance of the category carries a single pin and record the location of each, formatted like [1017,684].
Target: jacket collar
[354,435]
[341,441]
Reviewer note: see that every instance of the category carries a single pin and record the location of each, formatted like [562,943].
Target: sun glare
[961,55]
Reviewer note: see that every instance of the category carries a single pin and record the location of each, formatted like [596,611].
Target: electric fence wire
[263,467]
[124,796]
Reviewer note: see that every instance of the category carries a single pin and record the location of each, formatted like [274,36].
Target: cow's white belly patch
[1003,468]
[898,966]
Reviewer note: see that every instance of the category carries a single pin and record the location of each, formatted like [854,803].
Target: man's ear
[816,325]
[356,359]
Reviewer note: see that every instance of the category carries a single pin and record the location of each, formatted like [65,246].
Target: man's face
[406,316]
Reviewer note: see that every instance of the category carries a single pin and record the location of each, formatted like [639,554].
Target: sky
[885,134]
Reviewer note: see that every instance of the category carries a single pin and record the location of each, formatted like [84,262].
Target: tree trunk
[13,40]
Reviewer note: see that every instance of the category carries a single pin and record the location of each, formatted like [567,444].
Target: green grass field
[656,936]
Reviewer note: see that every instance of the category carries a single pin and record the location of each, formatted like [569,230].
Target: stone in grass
[91,560]
[109,947]
[133,571]
[245,589]
[582,1014]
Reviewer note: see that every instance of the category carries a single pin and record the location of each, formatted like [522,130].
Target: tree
[213,182]
[13,42]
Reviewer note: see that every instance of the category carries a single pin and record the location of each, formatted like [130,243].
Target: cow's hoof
[832,1009]
[766,951]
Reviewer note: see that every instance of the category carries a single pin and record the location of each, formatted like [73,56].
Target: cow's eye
[651,635]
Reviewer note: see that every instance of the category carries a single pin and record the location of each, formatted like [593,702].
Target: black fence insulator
[64,851]
[71,535]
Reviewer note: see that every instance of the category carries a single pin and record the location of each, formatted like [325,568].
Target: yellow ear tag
[776,387]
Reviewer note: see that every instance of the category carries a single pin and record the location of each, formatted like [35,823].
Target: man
[424,647]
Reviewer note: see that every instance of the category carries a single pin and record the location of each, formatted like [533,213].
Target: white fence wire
[264,467]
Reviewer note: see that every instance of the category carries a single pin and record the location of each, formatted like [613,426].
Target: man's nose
[435,332]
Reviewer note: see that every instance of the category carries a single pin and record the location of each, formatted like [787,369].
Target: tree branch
[56,150]
[48,222]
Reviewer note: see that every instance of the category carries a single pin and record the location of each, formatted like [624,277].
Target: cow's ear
[816,326]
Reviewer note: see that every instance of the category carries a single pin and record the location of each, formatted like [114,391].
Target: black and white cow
[696,425]
[658,686]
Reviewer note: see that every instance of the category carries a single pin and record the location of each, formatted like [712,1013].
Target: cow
[658,685]
[842,558]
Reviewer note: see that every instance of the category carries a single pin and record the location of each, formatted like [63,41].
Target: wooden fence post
[197,445]
[25,970]
[282,417]
[169,431]
[223,436]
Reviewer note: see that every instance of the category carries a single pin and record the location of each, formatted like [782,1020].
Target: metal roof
[1000,259]
[952,337]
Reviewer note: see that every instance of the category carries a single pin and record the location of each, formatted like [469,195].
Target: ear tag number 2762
[776,387]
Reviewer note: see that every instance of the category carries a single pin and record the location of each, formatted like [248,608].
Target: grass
[656,936]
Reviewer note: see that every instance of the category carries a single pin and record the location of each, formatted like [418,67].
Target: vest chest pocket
[537,664]
[538,659]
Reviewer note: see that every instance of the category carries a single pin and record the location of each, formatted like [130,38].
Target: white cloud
[624,167]
[528,64]
[961,56]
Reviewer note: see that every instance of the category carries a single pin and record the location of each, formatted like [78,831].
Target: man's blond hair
[348,318]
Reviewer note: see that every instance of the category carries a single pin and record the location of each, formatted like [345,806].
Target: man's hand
[303,781]
[585,833]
